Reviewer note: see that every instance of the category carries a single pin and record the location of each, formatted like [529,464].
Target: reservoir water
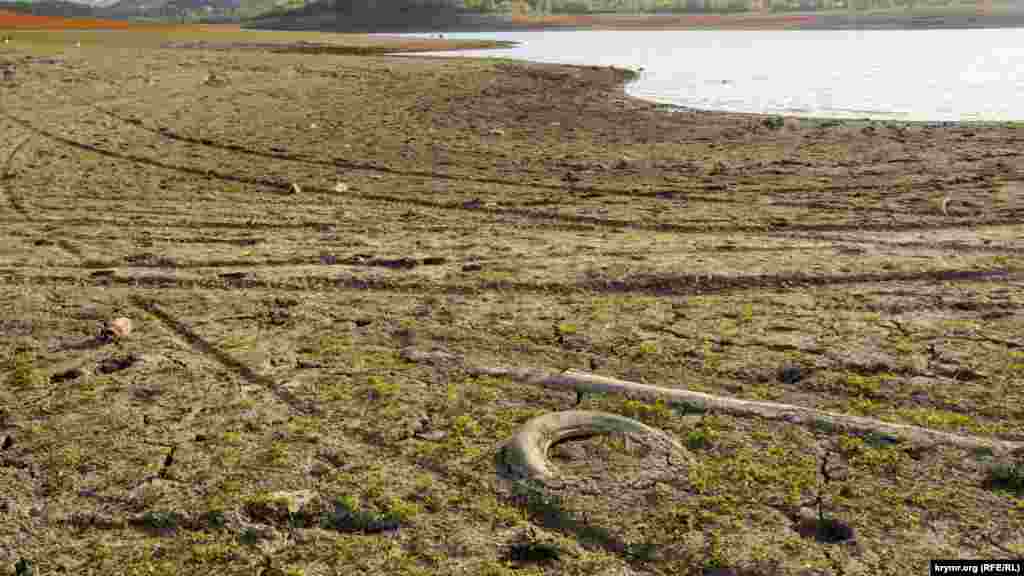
[917,75]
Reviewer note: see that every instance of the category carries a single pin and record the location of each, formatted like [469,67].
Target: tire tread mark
[208,349]
[565,219]
[663,285]
[70,248]
[6,175]
[369,167]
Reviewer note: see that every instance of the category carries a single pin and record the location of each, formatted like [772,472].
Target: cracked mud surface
[516,214]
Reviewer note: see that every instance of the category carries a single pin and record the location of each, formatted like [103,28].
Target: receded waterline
[948,75]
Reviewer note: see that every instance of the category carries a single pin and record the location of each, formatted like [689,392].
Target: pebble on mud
[791,374]
[117,328]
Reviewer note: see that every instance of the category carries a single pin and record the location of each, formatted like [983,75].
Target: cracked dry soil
[259,417]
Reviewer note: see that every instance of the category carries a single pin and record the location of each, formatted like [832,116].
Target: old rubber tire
[526,453]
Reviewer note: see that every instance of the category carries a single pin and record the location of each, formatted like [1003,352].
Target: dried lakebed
[260,414]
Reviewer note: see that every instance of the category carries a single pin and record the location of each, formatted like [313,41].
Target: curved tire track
[562,219]
[664,285]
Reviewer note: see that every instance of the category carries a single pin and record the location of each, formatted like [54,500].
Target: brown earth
[279,226]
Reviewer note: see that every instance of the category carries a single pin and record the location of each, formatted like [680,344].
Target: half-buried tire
[525,455]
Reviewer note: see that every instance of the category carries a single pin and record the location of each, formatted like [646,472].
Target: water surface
[927,75]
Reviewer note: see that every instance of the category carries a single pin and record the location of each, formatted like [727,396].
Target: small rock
[66,375]
[111,365]
[235,276]
[24,568]
[720,571]
[117,328]
[432,435]
[406,337]
[295,189]
[827,530]
[279,506]
[341,187]
[791,374]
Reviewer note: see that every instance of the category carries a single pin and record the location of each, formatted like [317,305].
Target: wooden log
[583,382]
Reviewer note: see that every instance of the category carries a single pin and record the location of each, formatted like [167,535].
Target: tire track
[949,246]
[146,260]
[358,260]
[70,248]
[6,175]
[556,222]
[671,193]
[541,217]
[381,169]
[205,348]
[19,207]
[142,240]
[654,285]
[176,326]
[756,184]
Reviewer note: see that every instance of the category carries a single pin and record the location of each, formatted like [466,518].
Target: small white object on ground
[118,328]
[341,187]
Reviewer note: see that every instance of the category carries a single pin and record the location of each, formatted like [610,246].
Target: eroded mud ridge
[280,226]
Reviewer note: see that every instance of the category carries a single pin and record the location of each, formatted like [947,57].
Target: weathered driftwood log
[584,382]
[526,453]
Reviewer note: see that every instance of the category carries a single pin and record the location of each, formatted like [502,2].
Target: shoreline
[672,107]
[919,19]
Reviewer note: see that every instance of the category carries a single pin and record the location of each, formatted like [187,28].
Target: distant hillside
[175,10]
[379,16]
[192,10]
[54,8]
